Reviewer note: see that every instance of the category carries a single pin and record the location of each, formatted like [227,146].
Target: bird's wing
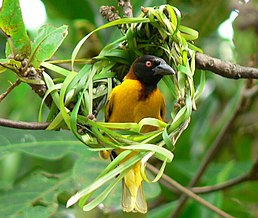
[109,107]
[163,109]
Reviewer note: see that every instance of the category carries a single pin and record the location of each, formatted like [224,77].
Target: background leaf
[12,25]
[46,43]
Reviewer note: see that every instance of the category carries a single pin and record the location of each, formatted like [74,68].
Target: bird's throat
[146,91]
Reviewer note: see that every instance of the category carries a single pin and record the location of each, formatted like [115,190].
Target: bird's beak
[163,69]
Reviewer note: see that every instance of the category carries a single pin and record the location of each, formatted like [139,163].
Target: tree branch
[252,175]
[189,193]
[222,186]
[213,150]
[23,125]
[225,68]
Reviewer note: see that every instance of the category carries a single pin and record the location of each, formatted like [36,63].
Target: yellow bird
[138,97]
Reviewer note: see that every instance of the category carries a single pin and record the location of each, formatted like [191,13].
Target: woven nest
[157,31]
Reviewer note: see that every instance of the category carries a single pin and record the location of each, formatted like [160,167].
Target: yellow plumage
[136,98]
[126,104]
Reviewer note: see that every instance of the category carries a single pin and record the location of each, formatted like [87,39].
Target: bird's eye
[148,64]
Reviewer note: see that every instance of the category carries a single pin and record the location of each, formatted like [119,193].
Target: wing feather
[109,107]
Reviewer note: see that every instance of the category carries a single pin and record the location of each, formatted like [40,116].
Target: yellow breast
[126,104]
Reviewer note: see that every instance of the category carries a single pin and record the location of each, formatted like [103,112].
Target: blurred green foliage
[39,170]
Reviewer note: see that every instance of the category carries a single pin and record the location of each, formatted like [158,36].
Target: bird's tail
[133,199]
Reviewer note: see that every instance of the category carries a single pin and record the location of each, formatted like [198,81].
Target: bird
[138,97]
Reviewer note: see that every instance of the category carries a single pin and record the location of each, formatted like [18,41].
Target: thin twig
[13,85]
[247,177]
[222,186]
[23,125]
[225,68]
[189,193]
[163,181]
[215,147]
[252,175]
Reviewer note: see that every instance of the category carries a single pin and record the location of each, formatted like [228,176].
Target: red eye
[148,63]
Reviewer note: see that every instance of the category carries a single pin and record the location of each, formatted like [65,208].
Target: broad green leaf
[39,143]
[41,149]
[36,193]
[46,43]
[13,26]
[25,200]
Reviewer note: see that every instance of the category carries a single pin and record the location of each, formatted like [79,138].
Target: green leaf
[85,176]
[186,70]
[151,122]
[162,153]
[144,161]
[167,140]
[201,86]
[188,33]
[63,109]
[39,143]
[32,195]
[56,122]
[13,26]
[55,68]
[41,149]
[107,25]
[36,193]
[102,180]
[52,89]
[101,197]
[46,43]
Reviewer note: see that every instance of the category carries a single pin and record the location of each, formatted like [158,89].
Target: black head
[149,69]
